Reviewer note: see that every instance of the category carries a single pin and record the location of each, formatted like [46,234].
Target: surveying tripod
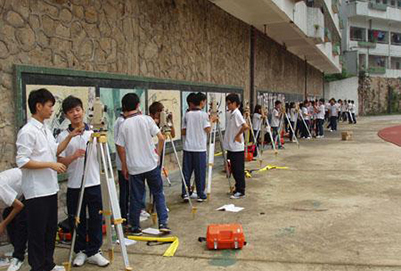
[292,129]
[166,131]
[111,207]
[250,132]
[265,125]
[216,128]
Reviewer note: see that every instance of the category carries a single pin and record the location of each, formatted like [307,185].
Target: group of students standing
[30,192]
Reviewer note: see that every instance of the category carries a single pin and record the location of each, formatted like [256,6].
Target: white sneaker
[80,259]
[15,264]
[98,259]
[237,195]
[58,268]
[318,137]
[194,195]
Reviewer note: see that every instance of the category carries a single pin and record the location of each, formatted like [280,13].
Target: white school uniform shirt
[334,110]
[117,125]
[36,142]
[293,115]
[256,121]
[75,170]
[195,122]
[275,118]
[311,112]
[320,114]
[135,135]
[349,107]
[344,107]
[234,122]
[353,108]
[10,187]
[305,112]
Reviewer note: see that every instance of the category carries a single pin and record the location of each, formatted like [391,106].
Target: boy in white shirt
[73,157]
[234,143]
[37,152]
[320,118]
[306,116]
[276,117]
[333,112]
[14,217]
[139,161]
[353,110]
[196,127]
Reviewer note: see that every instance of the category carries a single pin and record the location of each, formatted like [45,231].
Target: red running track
[391,134]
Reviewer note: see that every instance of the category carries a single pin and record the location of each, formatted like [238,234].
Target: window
[385,2]
[396,38]
[357,34]
[377,61]
[378,36]
[393,3]
[396,63]
[399,3]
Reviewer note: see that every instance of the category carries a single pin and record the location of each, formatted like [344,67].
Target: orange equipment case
[225,236]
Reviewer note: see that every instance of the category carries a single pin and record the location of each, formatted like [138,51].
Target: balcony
[376,6]
[315,24]
[286,22]
[366,44]
[377,70]
[364,9]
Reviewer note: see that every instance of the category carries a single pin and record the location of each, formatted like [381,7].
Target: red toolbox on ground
[225,236]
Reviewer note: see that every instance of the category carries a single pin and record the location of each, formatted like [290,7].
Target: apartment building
[372,37]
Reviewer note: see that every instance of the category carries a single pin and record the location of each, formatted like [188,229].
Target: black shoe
[136,232]
[163,228]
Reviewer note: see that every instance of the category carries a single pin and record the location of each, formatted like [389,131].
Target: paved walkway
[337,207]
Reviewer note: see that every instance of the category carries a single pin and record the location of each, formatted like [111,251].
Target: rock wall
[180,39]
[278,70]
[379,95]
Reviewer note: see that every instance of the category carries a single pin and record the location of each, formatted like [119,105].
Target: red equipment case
[225,236]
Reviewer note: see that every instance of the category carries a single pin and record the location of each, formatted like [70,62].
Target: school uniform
[320,119]
[353,110]
[194,146]
[10,190]
[305,114]
[293,120]
[257,126]
[235,150]
[344,114]
[135,135]
[92,200]
[275,126]
[123,184]
[349,111]
[39,186]
[333,116]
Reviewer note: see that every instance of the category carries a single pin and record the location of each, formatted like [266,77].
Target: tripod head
[96,119]
[165,121]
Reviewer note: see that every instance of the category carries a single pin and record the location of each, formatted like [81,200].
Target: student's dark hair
[71,102]
[277,103]
[199,97]
[258,109]
[40,96]
[129,102]
[155,107]
[292,104]
[233,98]
[190,98]
[352,101]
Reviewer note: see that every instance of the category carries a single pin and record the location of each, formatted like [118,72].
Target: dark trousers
[354,117]
[350,117]
[320,123]
[237,160]
[333,123]
[17,232]
[137,191]
[304,130]
[291,133]
[123,184]
[195,161]
[276,137]
[91,227]
[257,135]
[41,216]
[344,116]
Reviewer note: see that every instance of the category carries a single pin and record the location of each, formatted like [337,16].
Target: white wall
[346,89]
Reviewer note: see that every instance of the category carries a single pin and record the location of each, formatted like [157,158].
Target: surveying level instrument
[98,142]
[165,126]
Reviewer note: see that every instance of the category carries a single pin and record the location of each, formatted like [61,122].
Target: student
[123,183]
[293,119]
[14,217]
[276,122]
[154,112]
[306,115]
[195,127]
[73,157]
[234,143]
[344,109]
[257,125]
[333,112]
[37,153]
[139,161]
[320,110]
[352,111]
[349,112]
